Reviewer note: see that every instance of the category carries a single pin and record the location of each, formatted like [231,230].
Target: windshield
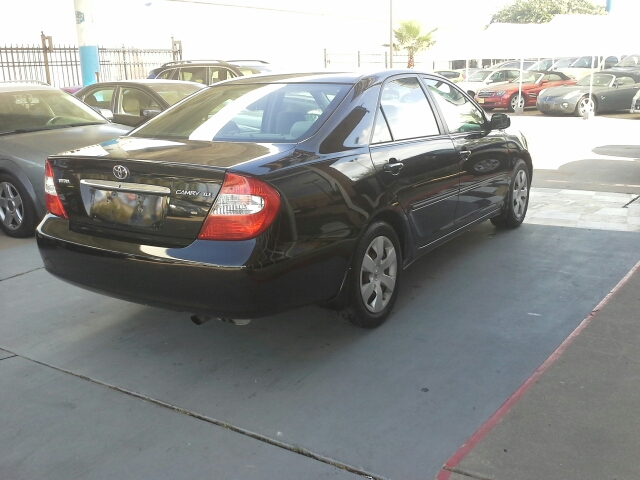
[599,79]
[173,93]
[528,78]
[630,61]
[563,63]
[480,76]
[541,65]
[584,62]
[31,110]
[248,113]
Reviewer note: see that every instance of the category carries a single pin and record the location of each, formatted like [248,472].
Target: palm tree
[408,38]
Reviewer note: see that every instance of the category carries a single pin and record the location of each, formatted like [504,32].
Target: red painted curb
[486,427]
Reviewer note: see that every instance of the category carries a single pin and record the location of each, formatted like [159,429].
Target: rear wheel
[517,199]
[17,213]
[374,282]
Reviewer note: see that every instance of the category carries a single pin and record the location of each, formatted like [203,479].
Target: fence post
[325,58]
[124,62]
[176,47]
[47,47]
[358,58]
[386,59]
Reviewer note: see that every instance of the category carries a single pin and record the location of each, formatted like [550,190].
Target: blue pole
[609,4]
[89,60]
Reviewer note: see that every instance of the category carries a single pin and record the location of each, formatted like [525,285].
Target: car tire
[517,200]
[582,104]
[375,277]
[513,102]
[17,212]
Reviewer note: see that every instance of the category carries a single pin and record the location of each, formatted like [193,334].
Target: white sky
[286,32]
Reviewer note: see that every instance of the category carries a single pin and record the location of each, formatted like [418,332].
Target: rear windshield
[32,110]
[173,93]
[270,113]
[630,61]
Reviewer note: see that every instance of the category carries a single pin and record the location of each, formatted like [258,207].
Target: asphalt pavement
[492,362]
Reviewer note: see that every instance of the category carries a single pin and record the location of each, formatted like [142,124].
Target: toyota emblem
[121,172]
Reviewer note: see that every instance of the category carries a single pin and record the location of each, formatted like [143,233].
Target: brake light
[54,205]
[244,208]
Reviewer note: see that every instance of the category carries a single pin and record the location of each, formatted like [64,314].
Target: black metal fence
[60,65]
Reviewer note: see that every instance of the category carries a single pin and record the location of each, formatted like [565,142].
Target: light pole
[609,5]
[390,33]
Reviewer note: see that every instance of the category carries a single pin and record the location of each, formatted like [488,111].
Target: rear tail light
[54,205]
[244,208]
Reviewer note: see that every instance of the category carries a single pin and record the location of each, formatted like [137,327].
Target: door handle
[393,166]
[465,154]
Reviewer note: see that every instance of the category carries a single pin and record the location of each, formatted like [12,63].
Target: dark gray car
[37,121]
[610,91]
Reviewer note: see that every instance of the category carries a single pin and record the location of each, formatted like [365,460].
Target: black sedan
[132,102]
[264,194]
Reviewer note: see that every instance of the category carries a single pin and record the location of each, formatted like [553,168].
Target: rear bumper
[224,279]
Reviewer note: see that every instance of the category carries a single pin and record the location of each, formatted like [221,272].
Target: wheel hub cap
[11,208]
[378,274]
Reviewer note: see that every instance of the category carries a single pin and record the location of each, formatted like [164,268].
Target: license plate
[481,100]
[125,208]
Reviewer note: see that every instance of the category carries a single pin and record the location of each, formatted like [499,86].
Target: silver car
[610,91]
[36,121]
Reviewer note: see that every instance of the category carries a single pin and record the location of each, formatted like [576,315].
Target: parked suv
[209,72]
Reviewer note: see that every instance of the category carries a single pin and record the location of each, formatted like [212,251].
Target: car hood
[35,147]
[219,155]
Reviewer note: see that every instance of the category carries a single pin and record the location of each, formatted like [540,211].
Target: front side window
[218,74]
[99,98]
[406,110]
[460,114]
[479,76]
[167,74]
[132,101]
[193,74]
[33,110]
[249,113]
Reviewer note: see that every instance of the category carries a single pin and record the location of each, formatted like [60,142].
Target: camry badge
[121,172]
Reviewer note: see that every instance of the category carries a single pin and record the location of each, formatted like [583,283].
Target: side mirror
[105,112]
[150,112]
[499,121]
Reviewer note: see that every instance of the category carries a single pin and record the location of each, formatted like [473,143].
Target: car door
[130,104]
[485,153]
[415,159]
[621,93]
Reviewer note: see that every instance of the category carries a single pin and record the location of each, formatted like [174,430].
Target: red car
[533,82]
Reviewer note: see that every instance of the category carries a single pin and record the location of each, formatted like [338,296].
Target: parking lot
[93,387]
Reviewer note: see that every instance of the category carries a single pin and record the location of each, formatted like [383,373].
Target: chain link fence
[59,66]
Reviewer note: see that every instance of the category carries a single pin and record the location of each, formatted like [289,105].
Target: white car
[484,78]
[635,103]
[587,65]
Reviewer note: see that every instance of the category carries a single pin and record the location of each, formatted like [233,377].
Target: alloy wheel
[11,206]
[378,274]
[585,105]
[520,194]
[517,101]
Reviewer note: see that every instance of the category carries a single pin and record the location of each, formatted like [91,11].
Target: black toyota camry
[262,194]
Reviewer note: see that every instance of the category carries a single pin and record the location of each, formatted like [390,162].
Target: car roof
[24,86]
[321,77]
[145,81]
